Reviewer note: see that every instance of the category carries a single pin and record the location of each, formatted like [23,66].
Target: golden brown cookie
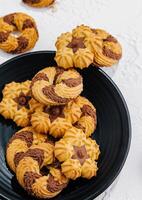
[39,3]
[55,86]
[30,177]
[84,46]
[19,143]
[88,119]
[72,52]
[55,120]
[15,103]
[22,23]
[77,154]
[106,48]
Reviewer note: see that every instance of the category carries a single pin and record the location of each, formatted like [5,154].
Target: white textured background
[123,18]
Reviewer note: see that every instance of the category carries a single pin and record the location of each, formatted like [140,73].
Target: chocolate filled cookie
[15,103]
[72,52]
[55,120]
[77,154]
[17,22]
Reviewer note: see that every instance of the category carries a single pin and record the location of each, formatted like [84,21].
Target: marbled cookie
[19,143]
[30,177]
[22,23]
[56,86]
[106,48]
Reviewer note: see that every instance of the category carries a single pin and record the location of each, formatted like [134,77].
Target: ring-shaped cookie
[39,3]
[19,143]
[17,22]
[55,86]
[30,177]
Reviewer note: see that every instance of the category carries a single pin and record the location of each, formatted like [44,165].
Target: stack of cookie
[54,144]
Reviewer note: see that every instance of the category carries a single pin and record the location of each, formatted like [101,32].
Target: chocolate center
[80,153]
[22,100]
[76,43]
[54,112]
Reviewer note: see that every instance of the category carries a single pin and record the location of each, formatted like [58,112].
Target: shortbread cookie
[88,119]
[39,3]
[77,154]
[22,23]
[72,52]
[55,120]
[19,143]
[106,48]
[32,180]
[55,86]
[15,103]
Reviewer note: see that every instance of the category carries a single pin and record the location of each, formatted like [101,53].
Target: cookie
[15,103]
[72,52]
[88,119]
[22,23]
[31,178]
[77,154]
[55,86]
[39,3]
[106,48]
[84,46]
[19,143]
[55,120]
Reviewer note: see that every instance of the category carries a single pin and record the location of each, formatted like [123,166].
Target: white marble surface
[122,18]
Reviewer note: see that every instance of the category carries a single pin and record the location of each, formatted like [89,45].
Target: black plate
[113,131]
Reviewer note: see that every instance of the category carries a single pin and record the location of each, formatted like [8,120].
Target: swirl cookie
[39,3]
[84,46]
[77,154]
[19,143]
[88,119]
[55,119]
[55,86]
[29,176]
[22,23]
[15,103]
[106,48]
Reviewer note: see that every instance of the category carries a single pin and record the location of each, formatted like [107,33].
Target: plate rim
[114,176]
